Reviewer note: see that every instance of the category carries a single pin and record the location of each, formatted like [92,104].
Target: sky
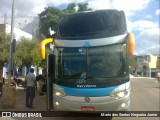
[142,17]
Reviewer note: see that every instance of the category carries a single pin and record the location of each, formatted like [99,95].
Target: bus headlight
[120,94]
[59,94]
[121,91]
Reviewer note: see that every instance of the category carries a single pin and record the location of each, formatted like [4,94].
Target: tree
[27,52]
[132,63]
[71,8]
[4,48]
[50,16]
[83,7]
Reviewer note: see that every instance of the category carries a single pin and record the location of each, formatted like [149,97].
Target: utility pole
[9,98]
[5,21]
[11,42]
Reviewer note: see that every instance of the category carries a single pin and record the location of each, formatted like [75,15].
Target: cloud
[148,41]
[151,35]
[148,50]
[148,16]
[32,7]
[5,6]
[157,12]
[142,25]
[130,7]
[23,8]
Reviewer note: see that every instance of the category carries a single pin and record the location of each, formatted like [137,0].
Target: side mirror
[43,47]
[130,44]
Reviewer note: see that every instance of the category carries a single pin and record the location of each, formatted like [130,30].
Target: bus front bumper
[121,104]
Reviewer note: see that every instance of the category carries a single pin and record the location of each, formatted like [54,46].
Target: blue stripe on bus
[91,92]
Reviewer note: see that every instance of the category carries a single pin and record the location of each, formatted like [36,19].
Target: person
[40,80]
[1,85]
[30,89]
[44,81]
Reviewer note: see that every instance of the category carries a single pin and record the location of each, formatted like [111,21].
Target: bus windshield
[92,24]
[90,63]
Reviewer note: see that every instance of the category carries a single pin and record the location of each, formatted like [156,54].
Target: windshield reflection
[98,62]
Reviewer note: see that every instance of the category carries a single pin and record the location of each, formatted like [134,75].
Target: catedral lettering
[90,59]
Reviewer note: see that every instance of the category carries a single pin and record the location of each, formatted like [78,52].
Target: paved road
[145,96]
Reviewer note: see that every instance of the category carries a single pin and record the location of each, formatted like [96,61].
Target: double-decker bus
[89,69]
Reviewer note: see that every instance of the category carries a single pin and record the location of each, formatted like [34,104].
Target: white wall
[18,33]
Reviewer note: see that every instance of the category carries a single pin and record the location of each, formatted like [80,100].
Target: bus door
[50,79]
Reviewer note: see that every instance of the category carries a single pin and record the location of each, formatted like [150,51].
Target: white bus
[88,70]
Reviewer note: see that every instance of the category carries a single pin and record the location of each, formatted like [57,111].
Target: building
[147,65]
[29,25]
[158,62]
[17,32]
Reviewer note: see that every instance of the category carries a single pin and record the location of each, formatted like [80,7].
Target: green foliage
[132,63]
[70,8]
[83,7]
[42,63]
[50,16]
[4,48]
[27,52]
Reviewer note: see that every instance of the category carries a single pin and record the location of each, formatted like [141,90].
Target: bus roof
[93,11]
[92,24]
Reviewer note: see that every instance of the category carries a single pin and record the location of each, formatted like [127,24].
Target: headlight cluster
[121,91]
[59,94]
[120,94]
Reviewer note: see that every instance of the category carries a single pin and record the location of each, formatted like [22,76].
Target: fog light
[57,103]
[123,105]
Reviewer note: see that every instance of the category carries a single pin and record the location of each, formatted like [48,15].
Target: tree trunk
[8,96]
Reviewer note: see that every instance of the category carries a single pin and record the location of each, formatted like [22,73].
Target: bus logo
[86,44]
[87,99]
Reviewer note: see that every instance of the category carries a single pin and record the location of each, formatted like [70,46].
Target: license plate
[87,108]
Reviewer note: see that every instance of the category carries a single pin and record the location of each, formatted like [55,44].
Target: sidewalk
[39,102]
